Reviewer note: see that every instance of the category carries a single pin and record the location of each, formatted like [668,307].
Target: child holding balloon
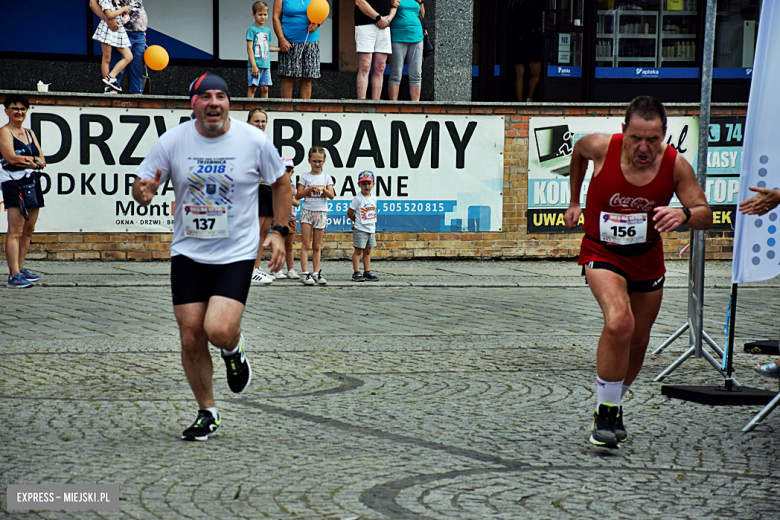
[113,40]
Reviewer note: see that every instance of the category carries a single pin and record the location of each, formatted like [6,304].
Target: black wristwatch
[378,17]
[687,214]
[282,230]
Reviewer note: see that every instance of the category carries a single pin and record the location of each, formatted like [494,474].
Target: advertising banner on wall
[433,172]
[552,139]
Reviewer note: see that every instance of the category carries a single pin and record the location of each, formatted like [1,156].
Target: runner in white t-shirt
[215,165]
[316,187]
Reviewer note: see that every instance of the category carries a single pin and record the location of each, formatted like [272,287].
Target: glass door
[564,22]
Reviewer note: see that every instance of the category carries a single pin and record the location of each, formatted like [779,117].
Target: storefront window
[735,38]
[642,37]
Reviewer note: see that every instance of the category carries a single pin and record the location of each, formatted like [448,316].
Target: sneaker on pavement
[292,275]
[279,275]
[261,277]
[602,431]
[319,278]
[29,276]
[19,281]
[770,369]
[203,426]
[620,430]
[357,276]
[239,373]
[369,276]
[307,279]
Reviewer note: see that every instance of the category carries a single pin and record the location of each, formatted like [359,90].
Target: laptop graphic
[553,147]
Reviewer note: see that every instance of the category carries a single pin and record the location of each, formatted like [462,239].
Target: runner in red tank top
[635,176]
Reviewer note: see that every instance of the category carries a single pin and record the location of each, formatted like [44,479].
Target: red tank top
[610,192]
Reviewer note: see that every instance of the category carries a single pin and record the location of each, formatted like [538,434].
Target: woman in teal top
[299,46]
[406,32]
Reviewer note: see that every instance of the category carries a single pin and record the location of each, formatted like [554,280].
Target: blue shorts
[263,80]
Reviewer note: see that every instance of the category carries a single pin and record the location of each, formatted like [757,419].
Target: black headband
[207,82]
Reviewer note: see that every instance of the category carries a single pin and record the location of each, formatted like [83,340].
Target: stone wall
[512,242]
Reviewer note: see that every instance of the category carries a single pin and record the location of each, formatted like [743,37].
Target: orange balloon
[318,11]
[156,57]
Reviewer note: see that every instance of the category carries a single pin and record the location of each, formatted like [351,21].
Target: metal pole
[730,346]
[698,245]
[698,240]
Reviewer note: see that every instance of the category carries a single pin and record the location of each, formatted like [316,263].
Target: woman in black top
[21,157]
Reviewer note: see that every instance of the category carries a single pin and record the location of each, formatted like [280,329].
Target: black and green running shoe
[620,430]
[205,425]
[602,431]
[239,373]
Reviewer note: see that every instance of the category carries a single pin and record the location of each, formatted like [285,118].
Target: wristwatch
[378,17]
[687,214]
[282,230]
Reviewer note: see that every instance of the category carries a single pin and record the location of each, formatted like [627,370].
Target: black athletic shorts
[633,285]
[192,282]
[266,199]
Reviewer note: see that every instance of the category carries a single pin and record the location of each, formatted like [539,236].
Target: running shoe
[307,279]
[620,430]
[292,275]
[602,431]
[319,278]
[369,276]
[770,369]
[19,281]
[112,83]
[357,276]
[203,426]
[261,277]
[279,275]
[239,373]
[29,276]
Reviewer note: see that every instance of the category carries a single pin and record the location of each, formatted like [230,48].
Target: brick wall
[513,242]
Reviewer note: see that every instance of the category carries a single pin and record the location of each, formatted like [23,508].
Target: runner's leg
[611,292]
[645,307]
[195,357]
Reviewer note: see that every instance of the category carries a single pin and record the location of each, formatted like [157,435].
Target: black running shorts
[633,285]
[192,282]
[266,201]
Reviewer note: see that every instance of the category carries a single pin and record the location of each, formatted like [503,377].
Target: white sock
[624,391]
[232,351]
[213,410]
[608,391]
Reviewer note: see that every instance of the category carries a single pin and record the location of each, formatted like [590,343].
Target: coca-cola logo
[639,203]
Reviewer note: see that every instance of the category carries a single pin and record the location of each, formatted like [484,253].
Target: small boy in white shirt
[362,211]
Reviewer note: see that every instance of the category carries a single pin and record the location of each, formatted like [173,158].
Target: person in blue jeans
[136,31]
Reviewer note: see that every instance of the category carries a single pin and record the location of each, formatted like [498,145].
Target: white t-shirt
[365,213]
[315,201]
[215,172]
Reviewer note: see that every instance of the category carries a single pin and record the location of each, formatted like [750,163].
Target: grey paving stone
[426,397]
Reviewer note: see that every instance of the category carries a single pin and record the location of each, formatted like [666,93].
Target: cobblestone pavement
[448,390]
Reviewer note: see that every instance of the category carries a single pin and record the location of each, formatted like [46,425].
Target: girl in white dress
[116,39]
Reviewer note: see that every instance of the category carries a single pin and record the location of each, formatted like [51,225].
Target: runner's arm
[690,195]
[591,147]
